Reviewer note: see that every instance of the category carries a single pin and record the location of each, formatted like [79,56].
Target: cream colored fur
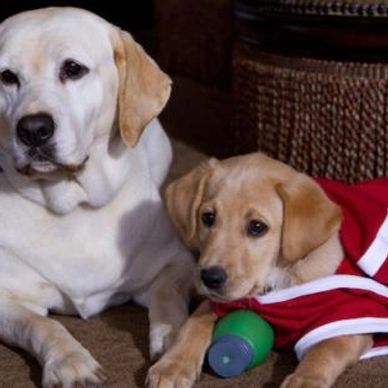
[301,244]
[86,229]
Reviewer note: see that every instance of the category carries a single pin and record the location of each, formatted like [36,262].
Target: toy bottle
[241,341]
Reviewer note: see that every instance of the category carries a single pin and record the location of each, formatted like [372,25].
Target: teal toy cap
[241,341]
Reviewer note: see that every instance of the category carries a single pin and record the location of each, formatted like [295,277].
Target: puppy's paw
[161,338]
[75,369]
[296,380]
[171,373]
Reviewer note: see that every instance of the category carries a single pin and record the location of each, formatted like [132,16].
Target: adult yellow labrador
[82,159]
[268,239]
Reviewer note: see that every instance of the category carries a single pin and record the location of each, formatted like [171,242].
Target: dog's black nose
[35,130]
[213,277]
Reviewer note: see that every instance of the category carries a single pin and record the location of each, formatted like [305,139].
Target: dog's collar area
[219,298]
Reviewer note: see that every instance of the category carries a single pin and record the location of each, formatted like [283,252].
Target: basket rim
[342,8]
[375,71]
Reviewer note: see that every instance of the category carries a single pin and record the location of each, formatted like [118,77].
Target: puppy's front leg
[324,362]
[66,363]
[182,363]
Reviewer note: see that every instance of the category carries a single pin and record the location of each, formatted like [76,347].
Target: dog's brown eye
[8,77]
[72,70]
[208,218]
[256,228]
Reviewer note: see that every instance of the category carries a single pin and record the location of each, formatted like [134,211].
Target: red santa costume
[352,301]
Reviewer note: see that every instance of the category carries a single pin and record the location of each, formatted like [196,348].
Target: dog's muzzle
[214,277]
[35,130]
[42,169]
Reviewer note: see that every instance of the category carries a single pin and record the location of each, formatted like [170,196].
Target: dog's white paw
[162,336]
[75,369]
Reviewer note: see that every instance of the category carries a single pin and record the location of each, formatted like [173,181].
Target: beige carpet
[118,339]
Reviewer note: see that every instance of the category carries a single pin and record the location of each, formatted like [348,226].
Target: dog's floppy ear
[310,217]
[183,198]
[143,88]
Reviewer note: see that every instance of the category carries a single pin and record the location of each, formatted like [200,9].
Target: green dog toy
[241,340]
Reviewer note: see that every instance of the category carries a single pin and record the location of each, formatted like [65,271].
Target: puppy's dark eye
[72,70]
[256,228]
[208,218]
[8,77]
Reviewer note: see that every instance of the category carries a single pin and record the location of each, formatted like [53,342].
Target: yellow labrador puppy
[267,238]
[82,159]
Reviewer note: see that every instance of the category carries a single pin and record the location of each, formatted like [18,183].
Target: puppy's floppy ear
[183,198]
[143,88]
[310,217]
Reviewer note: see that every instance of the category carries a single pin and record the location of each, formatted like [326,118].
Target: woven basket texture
[327,119]
[351,8]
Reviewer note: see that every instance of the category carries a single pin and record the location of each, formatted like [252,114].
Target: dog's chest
[89,255]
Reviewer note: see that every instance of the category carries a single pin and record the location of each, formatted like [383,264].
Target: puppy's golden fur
[301,244]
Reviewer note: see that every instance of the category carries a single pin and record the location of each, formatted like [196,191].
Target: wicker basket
[324,118]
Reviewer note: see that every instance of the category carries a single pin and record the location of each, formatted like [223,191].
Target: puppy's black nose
[35,130]
[213,277]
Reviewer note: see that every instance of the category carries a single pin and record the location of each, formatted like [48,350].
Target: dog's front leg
[168,307]
[324,362]
[182,363]
[66,363]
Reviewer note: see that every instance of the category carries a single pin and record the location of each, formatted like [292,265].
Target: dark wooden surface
[336,36]
[130,15]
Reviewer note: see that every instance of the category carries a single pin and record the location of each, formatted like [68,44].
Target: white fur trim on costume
[376,255]
[332,282]
[343,327]
[375,352]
